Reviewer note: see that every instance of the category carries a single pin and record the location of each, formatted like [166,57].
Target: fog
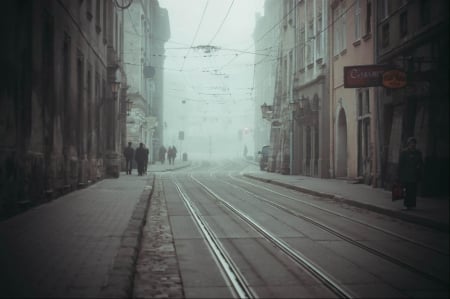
[208,77]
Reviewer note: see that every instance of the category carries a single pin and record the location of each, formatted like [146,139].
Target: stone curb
[171,169]
[397,214]
[119,283]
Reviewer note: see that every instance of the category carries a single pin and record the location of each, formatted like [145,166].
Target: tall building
[412,36]
[146,31]
[310,90]
[353,109]
[60,98]
[265,37]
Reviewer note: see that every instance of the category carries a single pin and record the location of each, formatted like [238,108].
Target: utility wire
[223,21]
[195,35]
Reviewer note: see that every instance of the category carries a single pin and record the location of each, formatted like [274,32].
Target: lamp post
[266,111]
[129,105]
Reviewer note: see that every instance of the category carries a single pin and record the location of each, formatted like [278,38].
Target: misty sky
[209,96]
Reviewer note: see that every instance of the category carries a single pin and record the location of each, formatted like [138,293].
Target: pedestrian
[162,154]
[146,159]
[140,158]
[409,172]
[245,151]
[170,154]
[174,153]
[128,153]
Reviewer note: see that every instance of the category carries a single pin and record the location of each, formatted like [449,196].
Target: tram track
[344,237]
[232,273]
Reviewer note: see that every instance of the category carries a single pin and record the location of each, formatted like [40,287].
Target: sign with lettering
[394,79]
[364,75]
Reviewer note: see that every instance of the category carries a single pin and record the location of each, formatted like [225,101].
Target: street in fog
[224,149]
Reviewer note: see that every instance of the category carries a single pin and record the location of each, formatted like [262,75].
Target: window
[385,35]
[404,24]
[98,16]
[319,36]
[343,17]
[368,17]
[336,31]
[89,9]
[309,42]
[290,71]
[425,12]
[339,32]
[363,131]
[105,13]
[301,60]
[357,19]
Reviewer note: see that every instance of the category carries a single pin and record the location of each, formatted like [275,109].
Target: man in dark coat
[409,172]
[128,153]
[140,157]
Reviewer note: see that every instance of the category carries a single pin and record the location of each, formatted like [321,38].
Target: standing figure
[409,172]
[140,158]
[170,154]
[128,153]
[162,154]
[174,153]
[146,159]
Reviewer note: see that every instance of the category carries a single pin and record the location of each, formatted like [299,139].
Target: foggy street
[211,232]
[224,149]
[237,237]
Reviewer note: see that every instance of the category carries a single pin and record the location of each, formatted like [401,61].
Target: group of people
[140,155]
[171,154]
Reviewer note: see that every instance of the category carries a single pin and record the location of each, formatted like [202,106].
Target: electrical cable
[195,35]
[223,21]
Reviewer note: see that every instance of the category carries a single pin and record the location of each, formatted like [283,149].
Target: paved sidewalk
[432,212]
[83,244]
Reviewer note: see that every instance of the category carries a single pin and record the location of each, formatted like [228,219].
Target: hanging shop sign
[394,79]
[364,75]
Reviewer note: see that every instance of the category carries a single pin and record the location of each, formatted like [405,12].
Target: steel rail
[229,269]
[296,256]
[348,239]
[421,244]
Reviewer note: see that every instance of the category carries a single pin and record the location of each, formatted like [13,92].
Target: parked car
[264,155]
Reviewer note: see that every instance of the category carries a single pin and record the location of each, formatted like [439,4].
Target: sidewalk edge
[120,279]
[397,214]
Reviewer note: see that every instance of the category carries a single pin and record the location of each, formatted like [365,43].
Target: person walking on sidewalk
[147,151]
[140,158]
[409,172]
[128,153]
[162,154]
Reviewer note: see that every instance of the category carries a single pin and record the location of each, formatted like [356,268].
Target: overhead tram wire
[221,25]
[195,35]
[286,15]
[262,36]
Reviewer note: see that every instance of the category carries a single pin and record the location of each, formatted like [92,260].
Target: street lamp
[266,110]
[115,86]
[129,104]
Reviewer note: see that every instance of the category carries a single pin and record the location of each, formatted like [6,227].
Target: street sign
[357,76]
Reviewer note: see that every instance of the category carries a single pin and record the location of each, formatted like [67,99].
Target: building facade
[413,36]
[266,59]
[310,102]
[353,111]
[60,98]
[146,31]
